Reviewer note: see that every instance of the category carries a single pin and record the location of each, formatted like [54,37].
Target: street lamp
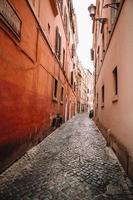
[92,11]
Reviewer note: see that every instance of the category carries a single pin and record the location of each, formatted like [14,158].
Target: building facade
[84,83]
[112,54]
[38,41]
[90,89]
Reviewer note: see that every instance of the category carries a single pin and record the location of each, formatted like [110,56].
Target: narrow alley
[73,163]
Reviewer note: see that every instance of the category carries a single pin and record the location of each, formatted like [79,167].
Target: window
[63,58]
[48,28]
[58,43]
[98,58]
[74,86]
[115,81]
[97,100]
[103,43]
[92,54]
[114,9]
[62,94]
[72,78]
[103,93]
[73,50]
[55,89]
[59,56]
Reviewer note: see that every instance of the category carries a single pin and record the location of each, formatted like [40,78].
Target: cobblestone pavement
[73,163]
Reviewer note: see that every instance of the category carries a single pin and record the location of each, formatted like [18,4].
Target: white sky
[84,23]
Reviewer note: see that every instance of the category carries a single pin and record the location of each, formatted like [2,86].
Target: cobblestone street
[73,163]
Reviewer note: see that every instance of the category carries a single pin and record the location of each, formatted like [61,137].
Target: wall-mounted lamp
[112,5]
[92,11]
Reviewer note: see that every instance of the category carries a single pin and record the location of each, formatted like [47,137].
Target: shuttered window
[62,94]
[55,92]
[103,93]
[63,65]
[58,43]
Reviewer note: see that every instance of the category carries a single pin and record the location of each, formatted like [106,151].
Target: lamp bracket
[101,20]
[112,5]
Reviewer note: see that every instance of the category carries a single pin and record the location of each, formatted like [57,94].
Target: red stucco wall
[27,68]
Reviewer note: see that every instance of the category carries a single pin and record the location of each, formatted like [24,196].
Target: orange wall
[26,82]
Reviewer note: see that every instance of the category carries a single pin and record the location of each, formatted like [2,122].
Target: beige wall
[117,116]
[119,54]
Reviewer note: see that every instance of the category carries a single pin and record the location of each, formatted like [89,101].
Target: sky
[84,23]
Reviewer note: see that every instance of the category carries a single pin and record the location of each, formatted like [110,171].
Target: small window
[97,100]
[58,43]
[103,94]
[62,94]
[72,78]
[55,89]
[59,56]
[64,58]
[73,50]
[115,81]
[74,86]
[48,28]
[103,42]
[56,40]
[92,54]
[114,10]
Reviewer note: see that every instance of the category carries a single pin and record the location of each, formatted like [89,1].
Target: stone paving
[73,163]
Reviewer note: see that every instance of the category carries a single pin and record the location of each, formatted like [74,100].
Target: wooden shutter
[56,40]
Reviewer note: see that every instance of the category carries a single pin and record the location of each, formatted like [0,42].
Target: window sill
[114,98]
[55,99]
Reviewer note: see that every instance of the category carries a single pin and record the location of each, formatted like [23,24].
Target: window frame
[55,89]
[72,78]
[64,59]
[115,85]
[62,95]
[58,43]
[102,96]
